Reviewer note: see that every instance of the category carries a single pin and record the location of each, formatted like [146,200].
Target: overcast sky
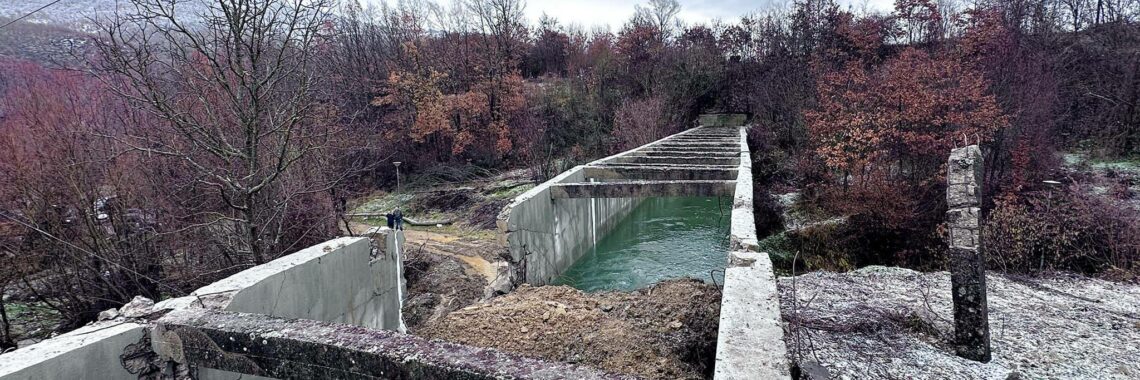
[614,13]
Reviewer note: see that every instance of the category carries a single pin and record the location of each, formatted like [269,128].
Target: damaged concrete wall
[551,234]
[336,281]
[750,338]
[89,352]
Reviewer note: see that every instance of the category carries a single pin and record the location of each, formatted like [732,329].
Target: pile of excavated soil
[666,331]
[437,285]
[881,322]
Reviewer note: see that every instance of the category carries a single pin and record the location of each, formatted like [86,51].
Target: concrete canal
[662,238]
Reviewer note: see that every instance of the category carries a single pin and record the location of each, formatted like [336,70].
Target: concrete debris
[138,307]
[503,282]
[108,314]
[881,322]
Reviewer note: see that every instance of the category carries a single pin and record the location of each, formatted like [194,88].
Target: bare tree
[659,13]
[234,88]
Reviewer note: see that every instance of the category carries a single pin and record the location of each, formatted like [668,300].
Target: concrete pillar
[967,265]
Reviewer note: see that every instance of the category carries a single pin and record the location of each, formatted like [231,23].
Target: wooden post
[967,263]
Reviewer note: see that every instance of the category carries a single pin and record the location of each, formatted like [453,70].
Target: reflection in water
[662,238]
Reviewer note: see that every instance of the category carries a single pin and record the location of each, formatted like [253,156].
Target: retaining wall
[343,280]
[551,234]
[90,352]
[336,281]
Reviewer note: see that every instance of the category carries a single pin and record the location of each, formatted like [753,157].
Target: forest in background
[174,150]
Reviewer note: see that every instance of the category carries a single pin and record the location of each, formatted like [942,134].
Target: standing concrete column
[967,265]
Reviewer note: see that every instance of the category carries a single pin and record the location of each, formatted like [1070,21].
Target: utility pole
[398,193]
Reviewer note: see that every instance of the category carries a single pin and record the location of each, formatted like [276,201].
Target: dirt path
[475,254]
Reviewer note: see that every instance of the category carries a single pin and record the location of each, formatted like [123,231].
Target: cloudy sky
[589,13]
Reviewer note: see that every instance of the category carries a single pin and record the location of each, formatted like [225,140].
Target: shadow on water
[663,238]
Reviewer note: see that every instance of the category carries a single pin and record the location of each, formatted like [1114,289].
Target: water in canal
[663,238]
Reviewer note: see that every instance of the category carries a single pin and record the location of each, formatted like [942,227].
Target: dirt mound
[437,285]
[667,331]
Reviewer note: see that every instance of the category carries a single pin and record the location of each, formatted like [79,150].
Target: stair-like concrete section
[697,162]
[642,189]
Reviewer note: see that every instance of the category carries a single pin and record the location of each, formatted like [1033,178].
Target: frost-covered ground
[880,322]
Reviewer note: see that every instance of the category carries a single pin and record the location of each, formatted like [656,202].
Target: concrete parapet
[89,352]
[743,230]
[268,346]
[750,340]
[336,281]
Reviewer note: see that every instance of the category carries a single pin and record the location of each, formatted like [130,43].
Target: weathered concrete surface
[642,189]
[967,262]
[90,352]
[335,281]
[743,231]
[896,323]
[304,349]
[750,341]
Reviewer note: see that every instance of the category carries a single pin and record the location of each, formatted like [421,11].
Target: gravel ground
[880,322]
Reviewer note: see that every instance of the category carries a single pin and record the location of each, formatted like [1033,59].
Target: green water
[663,238]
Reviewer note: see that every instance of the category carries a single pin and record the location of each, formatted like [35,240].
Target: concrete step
[663,173]
[689,159]
[636,189]
[679,153]
[666,165]
[692,149]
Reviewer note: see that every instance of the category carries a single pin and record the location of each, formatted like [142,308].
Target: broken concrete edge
[277,347]
[750,339]
[91,349]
